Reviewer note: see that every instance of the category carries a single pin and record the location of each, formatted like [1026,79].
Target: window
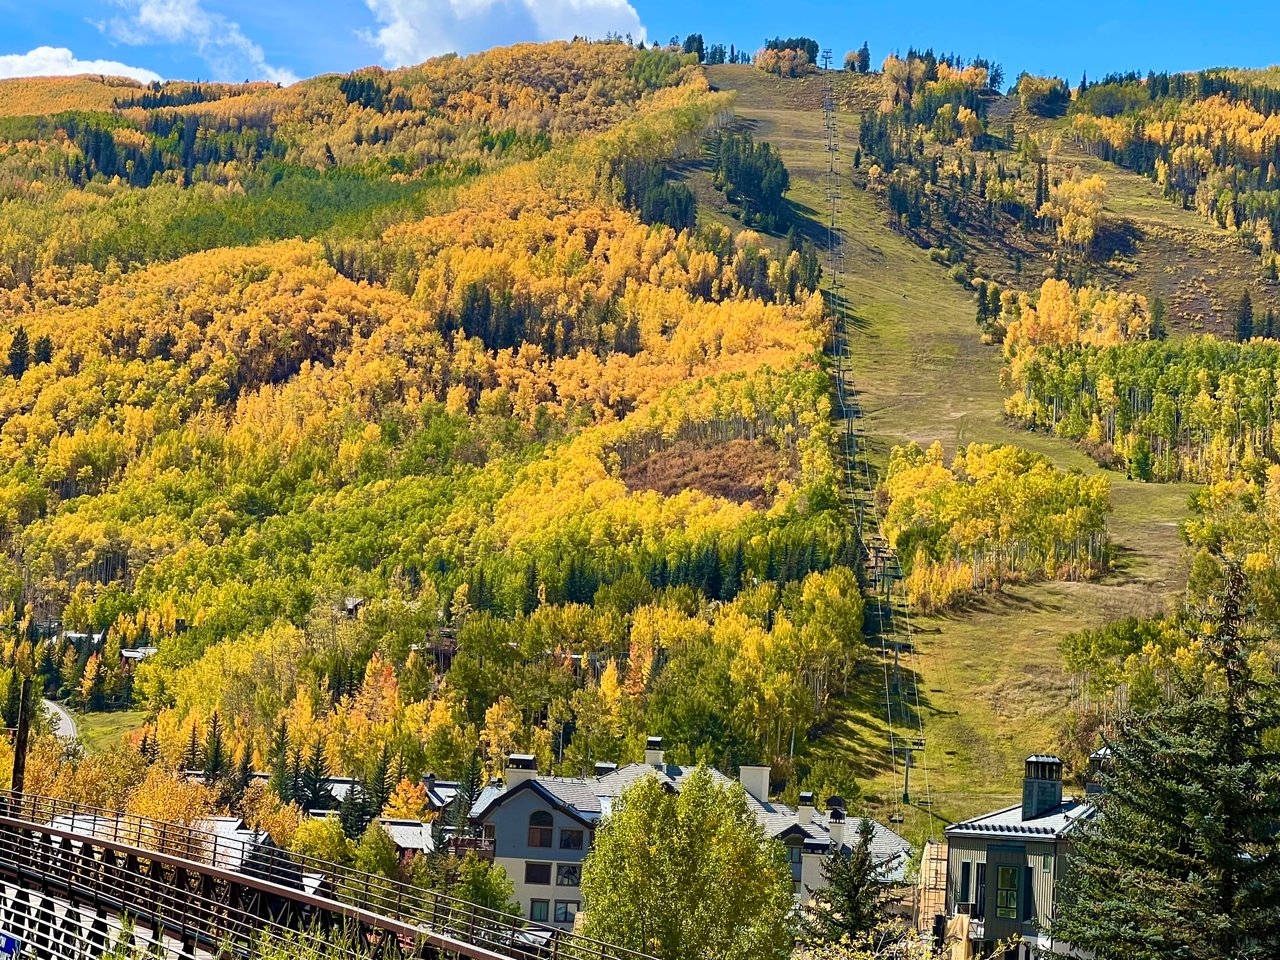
[1007,892]
[795,852]
[539,873]
[568,875]
[539,910]
[1029,893]
[540,829]
[570,839]
[980,892]
[966,870]
[566,910]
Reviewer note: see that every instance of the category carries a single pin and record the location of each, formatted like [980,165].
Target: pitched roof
[409,834]
[574,796]
[589,799]
[1008,822]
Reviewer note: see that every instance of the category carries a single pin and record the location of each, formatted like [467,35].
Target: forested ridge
[404,353]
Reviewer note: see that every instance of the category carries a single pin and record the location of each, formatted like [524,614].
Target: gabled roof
[1008,822]
[409,834]
[571,795]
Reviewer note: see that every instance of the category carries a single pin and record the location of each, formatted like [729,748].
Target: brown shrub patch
[743,471]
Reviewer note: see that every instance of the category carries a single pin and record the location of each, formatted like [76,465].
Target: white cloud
[413,30]
[61,62]
[220,42]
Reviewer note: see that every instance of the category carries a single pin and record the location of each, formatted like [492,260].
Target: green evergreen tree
[281,783]
[215,752]
[244,771]
[1244,318]
[1269,325]
[19,348]
[734,573]
[42,350]
[192,759]
[851,904]
[313,789]
[379,784]
[1183,857]
[354,812]
[864,57]
[295,776]
[1158,329]
[469,786]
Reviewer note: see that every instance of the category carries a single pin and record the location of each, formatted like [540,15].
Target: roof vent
[604,769]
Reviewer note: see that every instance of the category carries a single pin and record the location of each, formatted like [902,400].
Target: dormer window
[540,824]
[795,850]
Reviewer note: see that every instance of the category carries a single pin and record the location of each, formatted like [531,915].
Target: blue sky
[284,40]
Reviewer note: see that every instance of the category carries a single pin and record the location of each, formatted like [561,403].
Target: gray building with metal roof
[1005,869]
[542,828]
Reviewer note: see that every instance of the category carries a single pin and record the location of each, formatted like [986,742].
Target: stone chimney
[755,780]
[653,752]
[520,767]
[603,769]
[1041,786]
[805,812]
[835,827]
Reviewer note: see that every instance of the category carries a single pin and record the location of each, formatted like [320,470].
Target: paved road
[63,724]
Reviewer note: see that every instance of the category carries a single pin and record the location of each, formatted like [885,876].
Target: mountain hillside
[410,418]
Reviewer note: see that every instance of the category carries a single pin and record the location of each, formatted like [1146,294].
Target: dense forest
[417,338]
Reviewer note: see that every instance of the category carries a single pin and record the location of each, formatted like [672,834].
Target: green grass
[101,731]
[992,685]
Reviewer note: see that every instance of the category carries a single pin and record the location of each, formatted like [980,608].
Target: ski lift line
[866,531]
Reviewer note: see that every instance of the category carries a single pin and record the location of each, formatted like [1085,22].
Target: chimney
[653,752]
[755,780]
[1041,786]
[835,827]
[604,769]
[805,813]
[520,767]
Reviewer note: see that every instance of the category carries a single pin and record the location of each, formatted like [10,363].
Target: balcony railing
[431,911]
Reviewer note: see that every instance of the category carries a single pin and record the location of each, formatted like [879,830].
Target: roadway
[64,725]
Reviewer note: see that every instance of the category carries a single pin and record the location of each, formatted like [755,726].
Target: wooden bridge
[81,882]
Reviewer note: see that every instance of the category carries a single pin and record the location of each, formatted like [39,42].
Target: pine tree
[244,771]
[354,812]
[281,783]
[42,350]
[983,315]
[191,757]
[1269,325]
[469,785]
[378,786]
[850,905]
[19,347]
[864,57]
[295,776]
[1183,858]
[313,788]
[215,752]
[1244,318]
[735,571]
[1158,330]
